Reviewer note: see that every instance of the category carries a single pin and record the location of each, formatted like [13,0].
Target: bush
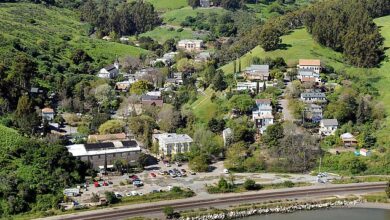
[288,184]
[168,211]
[250,184]
[111,197]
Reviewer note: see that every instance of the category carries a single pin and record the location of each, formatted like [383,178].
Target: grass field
[175,17]
[33,23]
[161,34]
[203,108]
[168,5]
[298,44]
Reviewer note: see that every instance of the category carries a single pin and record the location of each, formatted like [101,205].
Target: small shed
[348,140]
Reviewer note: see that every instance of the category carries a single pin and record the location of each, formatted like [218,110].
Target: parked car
[183,170]
[129,194]
[118,195]
[170,188]
[96,184]
[138,183]
[178,164]
[153,175]
[192,172]
[225,171]
[161,172]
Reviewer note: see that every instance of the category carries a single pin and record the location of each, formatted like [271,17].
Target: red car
[96,184]
[105,183]
[153,175]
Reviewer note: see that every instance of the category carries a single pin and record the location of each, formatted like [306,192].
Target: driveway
[287,116]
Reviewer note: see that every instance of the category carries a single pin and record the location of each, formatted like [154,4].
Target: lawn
[176,17]
[168,5]
[161,34]
[203,108]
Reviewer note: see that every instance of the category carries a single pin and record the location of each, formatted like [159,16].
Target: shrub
[250,184]
[111,198]
[288,184]
[168,211]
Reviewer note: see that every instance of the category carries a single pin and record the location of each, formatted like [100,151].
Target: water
[329,214]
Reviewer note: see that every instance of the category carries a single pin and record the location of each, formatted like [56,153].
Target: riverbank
[271,207]
[371,205]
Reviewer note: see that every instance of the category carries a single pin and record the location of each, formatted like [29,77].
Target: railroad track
[131,212]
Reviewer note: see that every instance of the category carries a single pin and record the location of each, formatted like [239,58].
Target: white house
[313,97]
[328,126]
[308,75]
[109,72]
[262,116]
[250,86]
[190,45]
[205,3]
[307,64]
[48,114]
[172,143]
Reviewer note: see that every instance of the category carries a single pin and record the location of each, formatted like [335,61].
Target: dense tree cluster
[348,27]
[33,174]
[123,18]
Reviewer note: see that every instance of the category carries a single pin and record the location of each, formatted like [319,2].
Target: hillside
[9,138]
[300,44]
[176,17]
[43,27]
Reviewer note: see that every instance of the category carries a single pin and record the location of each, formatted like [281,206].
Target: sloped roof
[309,62]
[48,110]
[313,95]
[261,68]
[330,122]
[263,101]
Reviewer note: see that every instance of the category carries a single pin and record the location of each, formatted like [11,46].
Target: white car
[225,171]
[170,188]
[134,193]
[118,195]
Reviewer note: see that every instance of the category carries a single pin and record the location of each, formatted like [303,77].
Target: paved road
[287,116]
[155,209]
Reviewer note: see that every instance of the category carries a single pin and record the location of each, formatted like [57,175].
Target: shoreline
[258,210]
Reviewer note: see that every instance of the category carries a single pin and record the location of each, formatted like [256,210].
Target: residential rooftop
[173,138]
[309,62]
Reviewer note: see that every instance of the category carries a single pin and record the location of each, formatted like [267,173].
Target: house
[306,64]
[308,75]
[35,91]
[348,140]
[123,86]
[99,154]
[205,3]
[190,45]
[145,73]
[72,192]
[227,136]
[108,38]
[148,100]
[314,112]
[109,72]
[365,152]
[328,126]
[176,79]
[262,115]
[203,57]
[172,143]
[48,114]
[313,97]
[257,72]
[95,138]
[249,86]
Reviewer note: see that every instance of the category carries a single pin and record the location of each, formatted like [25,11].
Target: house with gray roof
[257,72]
[310,97]
[308,75]
[328,126]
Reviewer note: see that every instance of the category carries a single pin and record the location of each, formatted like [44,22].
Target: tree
[193,3]
[199,164]
[168,118]
[111,197]
[219,83]
[112,127]
[250,184]
[235,156]
[80,56]
[270,37]
[242,103]
[25,116]
[273,134]
[216,125]
[140,87]
[23,69]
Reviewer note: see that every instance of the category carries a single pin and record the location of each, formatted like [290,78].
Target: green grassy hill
[9,138]
[38,25]
[300,44]
[161,34]
[168,5]
[176,17]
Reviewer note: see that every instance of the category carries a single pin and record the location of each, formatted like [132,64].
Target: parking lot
[197,182]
